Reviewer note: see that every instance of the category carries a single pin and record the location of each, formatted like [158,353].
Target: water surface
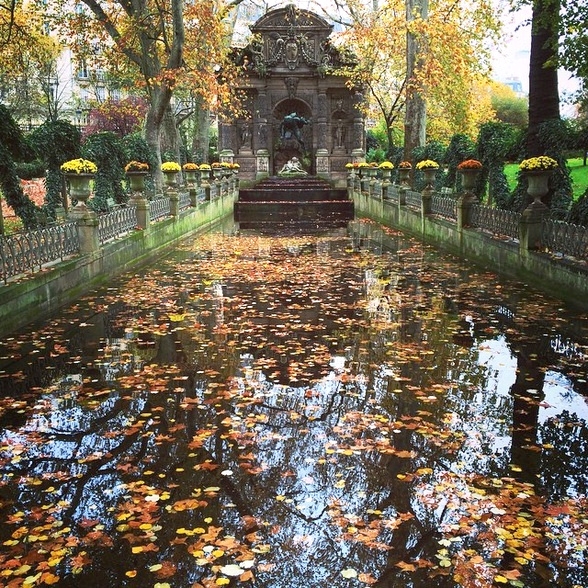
[344,409]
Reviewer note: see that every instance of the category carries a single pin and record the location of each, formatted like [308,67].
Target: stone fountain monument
[296,107]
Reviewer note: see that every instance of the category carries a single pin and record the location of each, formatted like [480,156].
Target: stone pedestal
[262,164]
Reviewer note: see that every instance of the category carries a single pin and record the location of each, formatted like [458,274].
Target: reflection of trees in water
[323,469]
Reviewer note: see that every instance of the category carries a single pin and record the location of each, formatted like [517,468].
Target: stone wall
[43,293]
[565,279]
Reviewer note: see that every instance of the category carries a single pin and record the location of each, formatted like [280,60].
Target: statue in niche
[291,127]
[339,134]
[262,134]
[292,86]
[246,136]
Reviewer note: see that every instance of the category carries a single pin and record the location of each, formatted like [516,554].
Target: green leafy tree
[511,108]
[55,141]
[106,151]
[13,146]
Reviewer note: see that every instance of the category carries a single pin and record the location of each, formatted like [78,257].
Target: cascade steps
[300,201]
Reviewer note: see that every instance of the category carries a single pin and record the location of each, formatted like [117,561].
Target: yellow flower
[541,163]
[427,164]
[79,166]
[170,166]
[386,165]
[204,166]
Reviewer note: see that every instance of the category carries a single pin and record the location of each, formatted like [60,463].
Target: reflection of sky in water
[559,396]
[413,385]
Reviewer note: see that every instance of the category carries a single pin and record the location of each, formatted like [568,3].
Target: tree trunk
[543,88]
[415,117]
[201,138]
[171,142]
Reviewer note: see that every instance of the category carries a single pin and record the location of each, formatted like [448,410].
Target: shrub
[30,170]
[105,149]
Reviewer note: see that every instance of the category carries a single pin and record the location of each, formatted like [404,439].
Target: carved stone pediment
[291,38]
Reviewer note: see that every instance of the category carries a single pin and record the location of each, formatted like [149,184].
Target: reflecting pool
[343,409]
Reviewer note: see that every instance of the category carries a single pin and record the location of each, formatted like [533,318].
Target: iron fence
[31,250]
[116,223]
[184,200]
[565,238]
[496,220]
[159,208]
[413,199]
[444,206]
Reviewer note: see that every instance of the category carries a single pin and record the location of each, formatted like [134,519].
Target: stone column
[88,232]
[225,136]
[531,225]
[464,210]
[142,207]
[357,138]
[322,151]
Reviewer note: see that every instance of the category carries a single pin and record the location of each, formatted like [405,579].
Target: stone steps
[293,200]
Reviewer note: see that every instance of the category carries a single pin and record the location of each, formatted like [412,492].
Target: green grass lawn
[578,172]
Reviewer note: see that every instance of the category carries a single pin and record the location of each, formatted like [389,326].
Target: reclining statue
[292,167]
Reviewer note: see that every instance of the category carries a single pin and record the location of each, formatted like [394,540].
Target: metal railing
[184,200]
[413,199]
[496,220]
[116,223]
[159,208]
[444,206]
[31,250]
[565,238]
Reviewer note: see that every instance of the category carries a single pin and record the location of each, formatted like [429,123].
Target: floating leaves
[251,405]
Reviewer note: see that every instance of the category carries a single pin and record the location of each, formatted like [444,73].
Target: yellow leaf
[222,581]
[349,573]
[500,579]
[131,573]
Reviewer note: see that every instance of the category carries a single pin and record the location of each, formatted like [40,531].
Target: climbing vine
[55,141]
[495,141]
[106,151]
[13,146]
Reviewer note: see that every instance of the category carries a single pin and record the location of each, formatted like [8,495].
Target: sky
[510,60]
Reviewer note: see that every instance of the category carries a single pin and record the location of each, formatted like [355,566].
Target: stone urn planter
[404,175]
[137,180]
[537,170]
[538,184]
[80,188]
[191,176]
[170,178]
[430,173]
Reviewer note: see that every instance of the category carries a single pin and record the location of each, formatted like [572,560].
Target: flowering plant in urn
[170,166]
[470,164]
[540,163]
[386,165]
[79,166]
[405,165]
[427,164]
[137,166]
